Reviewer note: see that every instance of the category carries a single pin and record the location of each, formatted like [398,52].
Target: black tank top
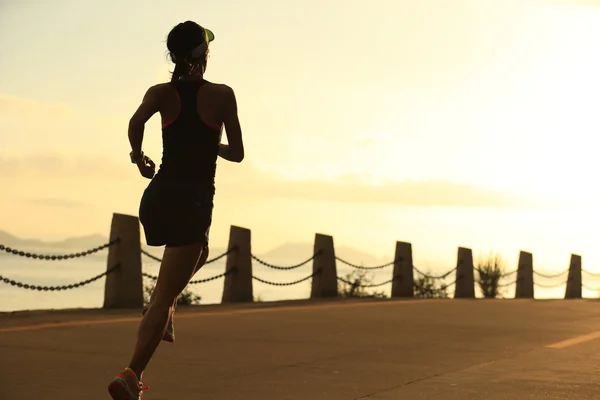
[190,146]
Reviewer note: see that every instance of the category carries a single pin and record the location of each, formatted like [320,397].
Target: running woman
[176,207]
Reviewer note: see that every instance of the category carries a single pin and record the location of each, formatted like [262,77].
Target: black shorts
[176,214]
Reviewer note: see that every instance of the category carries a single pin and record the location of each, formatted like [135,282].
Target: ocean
[64,272]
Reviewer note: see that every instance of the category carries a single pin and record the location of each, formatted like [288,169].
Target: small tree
[355,286]
[490,269]
[427,287]
[186,298]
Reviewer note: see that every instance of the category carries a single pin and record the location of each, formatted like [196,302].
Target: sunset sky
[472,124]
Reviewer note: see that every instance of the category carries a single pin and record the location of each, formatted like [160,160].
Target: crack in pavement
[366,396]
[404,384]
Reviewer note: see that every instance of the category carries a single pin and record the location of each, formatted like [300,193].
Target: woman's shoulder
[160,88]
[218,87]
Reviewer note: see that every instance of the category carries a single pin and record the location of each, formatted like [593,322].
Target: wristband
[136,158]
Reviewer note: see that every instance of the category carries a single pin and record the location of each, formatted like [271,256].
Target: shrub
[186,298]
[427,287]
[355,286]
[491,270]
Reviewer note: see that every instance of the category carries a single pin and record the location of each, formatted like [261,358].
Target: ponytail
[181,68]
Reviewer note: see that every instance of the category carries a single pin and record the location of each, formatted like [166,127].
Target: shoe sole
[119,392]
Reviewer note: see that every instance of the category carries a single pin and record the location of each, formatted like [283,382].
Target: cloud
[248,181]
[408,192]
[578,2]
[21,105]
[56,166]
[56,202]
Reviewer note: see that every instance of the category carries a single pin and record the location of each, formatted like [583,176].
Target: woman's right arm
[234,151]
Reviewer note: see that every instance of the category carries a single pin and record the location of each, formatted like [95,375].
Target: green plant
[148,289]
[186,298]
[427,287]
[491,270]
[353,286]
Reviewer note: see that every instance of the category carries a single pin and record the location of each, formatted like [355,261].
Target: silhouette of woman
[176,207]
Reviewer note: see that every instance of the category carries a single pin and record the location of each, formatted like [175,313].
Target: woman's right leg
[202,260]
[169,335]
[177,267]
[199,264]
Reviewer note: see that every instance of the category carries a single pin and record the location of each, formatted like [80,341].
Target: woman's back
[192,120]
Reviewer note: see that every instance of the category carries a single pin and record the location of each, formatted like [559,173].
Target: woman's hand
[146,167]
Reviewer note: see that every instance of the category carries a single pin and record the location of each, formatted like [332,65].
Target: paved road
[379,350]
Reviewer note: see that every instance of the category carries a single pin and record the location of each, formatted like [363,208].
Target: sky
[466,123]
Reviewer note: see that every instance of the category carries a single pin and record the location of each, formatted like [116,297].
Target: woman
[176,207]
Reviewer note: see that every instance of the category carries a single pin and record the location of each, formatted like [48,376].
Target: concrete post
[324,283]
[465,279]
[524,288]
[574,282]
[124,287]
[237,287]
[403,286]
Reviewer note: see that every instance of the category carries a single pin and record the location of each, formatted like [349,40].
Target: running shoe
[126,386]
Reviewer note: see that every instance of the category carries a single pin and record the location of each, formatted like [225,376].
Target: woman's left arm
[149,107]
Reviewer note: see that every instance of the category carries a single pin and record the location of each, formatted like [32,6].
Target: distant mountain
[79,243]
[287,252]
[88,241]
[303,251]
[9,240]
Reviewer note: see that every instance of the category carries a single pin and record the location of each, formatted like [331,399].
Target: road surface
[332,350]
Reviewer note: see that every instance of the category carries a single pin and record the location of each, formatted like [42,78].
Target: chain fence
[434,277]
[196,281]
[285,268]
[255,258]
[367,268]
[498,277]
[550,276]
[209,261]
[356,283]
[286,283]
[312,258]
[193,282]
[57,288]
[54,257]
[590,273]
